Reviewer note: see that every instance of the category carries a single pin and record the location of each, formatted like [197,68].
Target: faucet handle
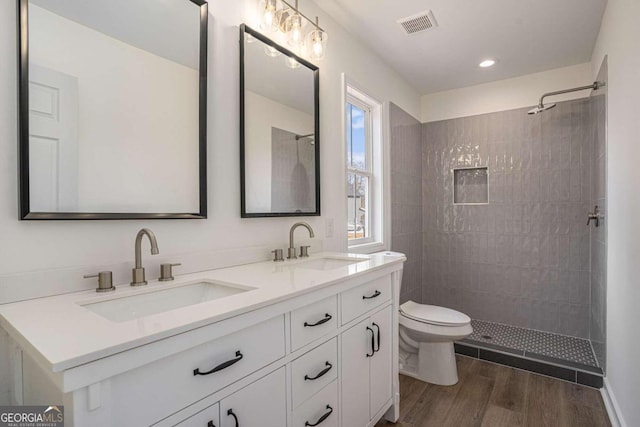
[166,272]
[105,281]
[304,251]
[277,255]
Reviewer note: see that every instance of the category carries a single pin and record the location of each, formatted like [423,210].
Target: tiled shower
[513,247]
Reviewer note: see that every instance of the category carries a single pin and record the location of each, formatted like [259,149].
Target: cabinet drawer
[158,389]
[204,418]
[314,370]
[320,410]
[260,404]
[313,321]
[358,301]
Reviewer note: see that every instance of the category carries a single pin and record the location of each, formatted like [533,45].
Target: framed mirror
[113,98]
[279,130]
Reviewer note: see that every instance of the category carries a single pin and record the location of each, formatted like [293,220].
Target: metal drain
[487,337]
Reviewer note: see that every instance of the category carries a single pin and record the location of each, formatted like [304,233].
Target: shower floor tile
[534,344]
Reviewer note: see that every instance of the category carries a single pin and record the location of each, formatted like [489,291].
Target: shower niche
[471,186]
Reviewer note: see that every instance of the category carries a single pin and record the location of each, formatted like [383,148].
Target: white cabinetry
[260,404]
[366,358]
[324,357]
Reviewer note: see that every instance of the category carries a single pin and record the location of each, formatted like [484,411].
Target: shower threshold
[559,356]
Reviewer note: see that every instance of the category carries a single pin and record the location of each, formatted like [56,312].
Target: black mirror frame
[23,131]
[316,83]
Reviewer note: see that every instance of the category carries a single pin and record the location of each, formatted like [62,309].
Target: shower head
[540,108]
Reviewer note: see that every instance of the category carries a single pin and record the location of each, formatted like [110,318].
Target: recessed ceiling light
[487,63]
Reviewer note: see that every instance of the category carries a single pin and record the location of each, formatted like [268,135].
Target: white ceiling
[167,28]
[525,36]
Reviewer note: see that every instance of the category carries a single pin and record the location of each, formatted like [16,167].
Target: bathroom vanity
[297,343]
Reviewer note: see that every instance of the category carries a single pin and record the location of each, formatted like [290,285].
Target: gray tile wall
[523,259]
[598,235]
[406,198]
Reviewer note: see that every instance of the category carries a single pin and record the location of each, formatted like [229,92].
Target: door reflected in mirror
[114,125]
[279,135]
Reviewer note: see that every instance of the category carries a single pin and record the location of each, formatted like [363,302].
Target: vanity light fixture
[268,8]
[316,43]
[280,15]
[487,63]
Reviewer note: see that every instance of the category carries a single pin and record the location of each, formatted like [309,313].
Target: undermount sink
[159,301]
[325,264]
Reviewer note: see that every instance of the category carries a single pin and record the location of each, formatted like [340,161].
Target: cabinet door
[381,372]
[356,344]
[208,417]
[260,404]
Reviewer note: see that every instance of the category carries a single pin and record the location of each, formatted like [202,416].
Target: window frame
[379,204]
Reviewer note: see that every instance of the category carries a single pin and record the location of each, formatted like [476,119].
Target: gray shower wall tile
[524,258]
[407,213]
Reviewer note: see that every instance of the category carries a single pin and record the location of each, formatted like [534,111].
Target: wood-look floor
[490,395]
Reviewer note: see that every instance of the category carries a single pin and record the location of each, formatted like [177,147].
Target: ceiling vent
[419,22]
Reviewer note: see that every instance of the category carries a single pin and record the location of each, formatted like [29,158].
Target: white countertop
[66,334]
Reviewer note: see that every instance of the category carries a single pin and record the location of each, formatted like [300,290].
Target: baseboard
[611,404]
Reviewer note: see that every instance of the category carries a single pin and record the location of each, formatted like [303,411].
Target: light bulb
[317,47]
[316,44]
[268,18]
[295,30]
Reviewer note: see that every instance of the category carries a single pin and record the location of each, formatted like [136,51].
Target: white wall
[67,246]
[506,94]
[620,39]
[265,113]
[158,117]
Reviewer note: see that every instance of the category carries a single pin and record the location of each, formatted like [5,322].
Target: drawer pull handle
[221,366]
[211,424]
[373,343]
[378,328]
[231,414]
[321,419]
[320,374]
[327,317]
[375,294]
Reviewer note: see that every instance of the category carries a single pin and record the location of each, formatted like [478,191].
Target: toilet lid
[434,314]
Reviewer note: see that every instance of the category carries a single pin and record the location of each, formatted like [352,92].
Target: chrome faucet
[292,250]
[138,278]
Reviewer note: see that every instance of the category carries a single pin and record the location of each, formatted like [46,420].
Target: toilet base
[435,363]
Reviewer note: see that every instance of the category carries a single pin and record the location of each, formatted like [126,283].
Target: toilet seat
[433,314]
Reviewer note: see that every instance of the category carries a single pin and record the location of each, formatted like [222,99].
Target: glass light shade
[267,10]
[271,51]
[292,63]
[294,30]
[316,44]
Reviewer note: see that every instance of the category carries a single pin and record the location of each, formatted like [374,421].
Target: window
[364,172]
[359,176]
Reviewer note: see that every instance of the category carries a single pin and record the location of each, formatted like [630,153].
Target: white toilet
[427,333]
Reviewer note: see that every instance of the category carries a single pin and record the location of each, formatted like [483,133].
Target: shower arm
[299,137]
[594,86]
